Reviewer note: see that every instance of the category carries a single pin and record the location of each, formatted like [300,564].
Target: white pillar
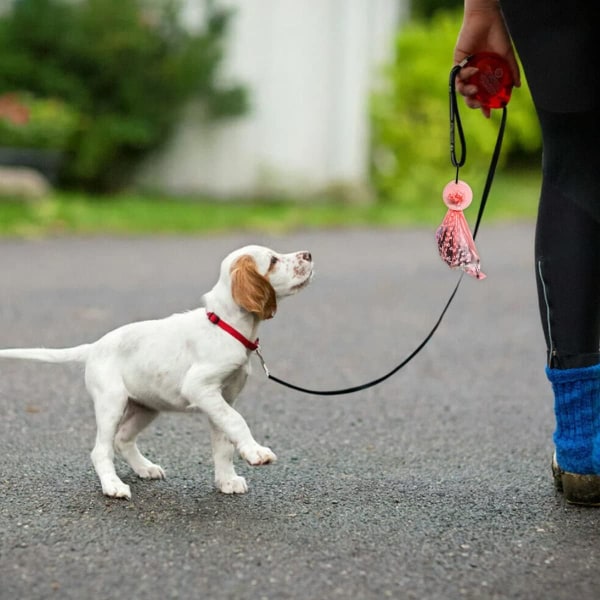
[309,66]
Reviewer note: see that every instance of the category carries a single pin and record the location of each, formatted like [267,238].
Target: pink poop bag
[453,236]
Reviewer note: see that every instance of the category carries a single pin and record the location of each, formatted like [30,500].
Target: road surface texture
[433,485]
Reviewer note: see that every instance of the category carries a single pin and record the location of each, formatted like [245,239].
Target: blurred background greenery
[102,83]
[125,73]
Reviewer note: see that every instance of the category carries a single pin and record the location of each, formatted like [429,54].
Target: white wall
[309,66]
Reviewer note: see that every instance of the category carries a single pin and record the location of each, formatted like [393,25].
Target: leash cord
[455,122]
[454,118]
[374,382]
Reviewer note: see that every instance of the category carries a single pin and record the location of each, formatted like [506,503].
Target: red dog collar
[213,318]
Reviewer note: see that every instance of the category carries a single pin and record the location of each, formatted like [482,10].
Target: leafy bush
[127,67]
[409,118]
[44,124]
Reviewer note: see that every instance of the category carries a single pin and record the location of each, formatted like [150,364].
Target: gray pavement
[434,485]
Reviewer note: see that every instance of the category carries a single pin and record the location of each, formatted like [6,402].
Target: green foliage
[48,124]
[127,214]
[428,8]
[127,67]
[410,137]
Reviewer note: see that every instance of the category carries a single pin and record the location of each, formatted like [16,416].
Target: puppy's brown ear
[251,290]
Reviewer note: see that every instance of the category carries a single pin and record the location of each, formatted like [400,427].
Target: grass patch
[513,197]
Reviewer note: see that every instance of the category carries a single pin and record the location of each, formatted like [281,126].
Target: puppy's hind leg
[135,419]
[109,406]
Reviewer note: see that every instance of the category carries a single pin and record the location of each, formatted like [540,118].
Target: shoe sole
[582,490]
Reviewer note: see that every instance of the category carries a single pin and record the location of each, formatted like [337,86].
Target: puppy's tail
[53,355]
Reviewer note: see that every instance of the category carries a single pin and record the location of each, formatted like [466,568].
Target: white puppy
[198,360]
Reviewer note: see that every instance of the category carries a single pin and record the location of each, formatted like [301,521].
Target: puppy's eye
[274,260]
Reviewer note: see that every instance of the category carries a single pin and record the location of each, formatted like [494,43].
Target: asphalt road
[433,485]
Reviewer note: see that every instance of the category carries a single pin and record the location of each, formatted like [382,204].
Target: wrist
[479,6]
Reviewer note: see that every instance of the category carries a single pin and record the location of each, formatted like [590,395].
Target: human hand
[483,29]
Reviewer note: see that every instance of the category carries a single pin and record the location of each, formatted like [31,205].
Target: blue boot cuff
[569,375]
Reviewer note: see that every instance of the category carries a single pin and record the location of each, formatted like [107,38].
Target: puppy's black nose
[306,256]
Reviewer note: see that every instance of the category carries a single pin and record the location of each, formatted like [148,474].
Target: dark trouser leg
[567,257]
[567,249]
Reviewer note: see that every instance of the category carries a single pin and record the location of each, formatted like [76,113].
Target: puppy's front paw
[115,488]
[234,485]
[258,455]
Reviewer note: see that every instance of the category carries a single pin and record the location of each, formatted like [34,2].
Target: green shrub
[47,124]
[128,67]
[409,119]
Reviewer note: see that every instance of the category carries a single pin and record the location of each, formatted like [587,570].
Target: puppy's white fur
[183,363]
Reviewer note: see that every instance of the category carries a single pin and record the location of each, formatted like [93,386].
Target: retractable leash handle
[494,83]
[494,80]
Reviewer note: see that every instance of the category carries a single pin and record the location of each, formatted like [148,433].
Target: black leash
[455,125]
[374,382]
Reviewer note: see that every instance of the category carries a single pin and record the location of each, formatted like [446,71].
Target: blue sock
[576,406]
